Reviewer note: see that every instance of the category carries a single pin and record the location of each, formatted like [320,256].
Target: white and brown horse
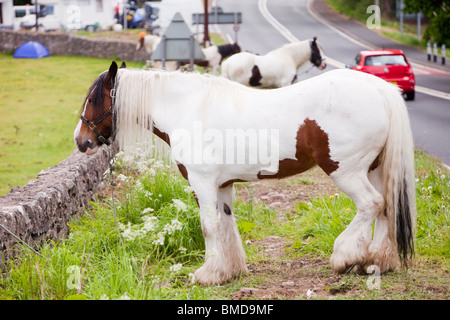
[221,132]
[277,68]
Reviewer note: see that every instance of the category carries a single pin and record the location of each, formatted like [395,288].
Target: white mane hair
[299,51]
[140,92]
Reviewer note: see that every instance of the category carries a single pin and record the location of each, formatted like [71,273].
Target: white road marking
[262,6]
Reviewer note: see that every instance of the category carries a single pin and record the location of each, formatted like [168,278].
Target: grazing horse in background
[221,132]
[149,42]
[214,55]
[277,68]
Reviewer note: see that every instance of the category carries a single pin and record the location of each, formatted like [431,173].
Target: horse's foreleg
[224,256]
[352,246]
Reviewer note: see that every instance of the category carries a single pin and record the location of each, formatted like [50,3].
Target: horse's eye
[90,100]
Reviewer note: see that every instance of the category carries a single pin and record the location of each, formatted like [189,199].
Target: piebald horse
[221,132]
[277,68]
[214,55]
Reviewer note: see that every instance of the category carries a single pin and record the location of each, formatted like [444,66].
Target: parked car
[390,65]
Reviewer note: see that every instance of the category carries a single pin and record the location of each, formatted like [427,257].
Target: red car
[390,65]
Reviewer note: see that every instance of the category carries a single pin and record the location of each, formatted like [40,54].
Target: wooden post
[205,24]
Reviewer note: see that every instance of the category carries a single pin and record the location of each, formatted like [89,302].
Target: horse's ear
[123,65]
[112,70]
[111,75]
[314,40]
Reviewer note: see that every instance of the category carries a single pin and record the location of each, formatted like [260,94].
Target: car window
[386,60]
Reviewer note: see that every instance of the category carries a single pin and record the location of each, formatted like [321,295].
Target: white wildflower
[104,297]
[175,267]
[160,239]
[173,226]
[149,224]
[188,189]
[180,205]
[125,297]
[123,178]
[147,210]
[183,250]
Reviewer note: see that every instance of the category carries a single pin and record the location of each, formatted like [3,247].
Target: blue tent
[31,49]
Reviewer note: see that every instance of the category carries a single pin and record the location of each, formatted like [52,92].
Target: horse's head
[96,120]
[316,56]
[141,41]
[235,48]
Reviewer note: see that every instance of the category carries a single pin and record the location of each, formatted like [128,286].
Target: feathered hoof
[212,276]
[382,261]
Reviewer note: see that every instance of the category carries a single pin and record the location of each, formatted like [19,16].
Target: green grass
[160,244]
[40,101]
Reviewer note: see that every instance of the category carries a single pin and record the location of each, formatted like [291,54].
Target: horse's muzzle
[87,146]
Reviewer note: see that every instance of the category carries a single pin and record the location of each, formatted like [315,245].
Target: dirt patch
[308,278]
[282,195]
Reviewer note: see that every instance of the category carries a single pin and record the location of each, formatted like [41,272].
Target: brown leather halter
[93,125]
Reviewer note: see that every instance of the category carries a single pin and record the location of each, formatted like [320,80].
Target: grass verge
[161,244]
[40,101]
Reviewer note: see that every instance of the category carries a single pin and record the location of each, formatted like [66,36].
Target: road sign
[178,43]
[218,18]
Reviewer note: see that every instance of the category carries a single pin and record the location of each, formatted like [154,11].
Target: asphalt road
[268,24]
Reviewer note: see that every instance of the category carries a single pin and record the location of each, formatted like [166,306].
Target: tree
[438,12]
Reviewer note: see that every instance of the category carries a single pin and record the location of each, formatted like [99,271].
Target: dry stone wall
[63,44]
[41,209]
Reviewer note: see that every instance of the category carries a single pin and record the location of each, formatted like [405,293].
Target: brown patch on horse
[312,148]
[162,135]
[227,183]
[312,143]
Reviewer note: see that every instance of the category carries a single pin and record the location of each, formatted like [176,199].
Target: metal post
[401,17]
[37,14]
[435,52]
[419,17]
[164,41]
[215,12]
[429,51]
[191,52]
[236,27]
[443,53]
[125,16]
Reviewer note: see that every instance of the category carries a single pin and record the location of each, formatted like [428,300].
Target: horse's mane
[138,91]
[98,94]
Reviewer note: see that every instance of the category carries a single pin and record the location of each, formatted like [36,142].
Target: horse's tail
[398,175]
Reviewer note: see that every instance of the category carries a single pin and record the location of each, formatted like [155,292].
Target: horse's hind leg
[382,251]
[352,246]
[224,256]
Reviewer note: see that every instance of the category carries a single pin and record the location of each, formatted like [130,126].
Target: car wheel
[41,28]
[410,95]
